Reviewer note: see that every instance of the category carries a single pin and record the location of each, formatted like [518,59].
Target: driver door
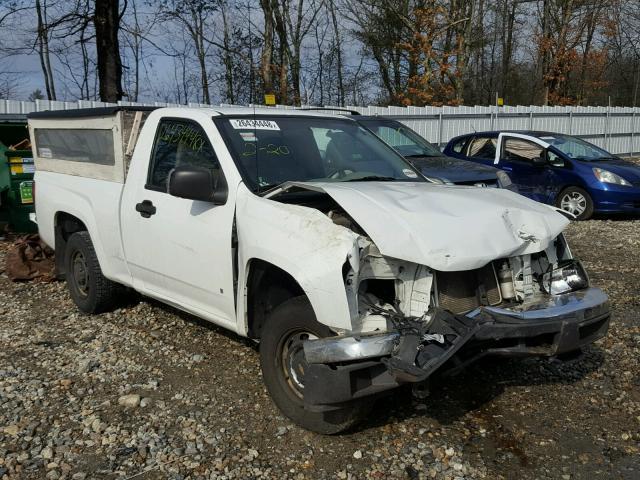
[516,157]
[179,250]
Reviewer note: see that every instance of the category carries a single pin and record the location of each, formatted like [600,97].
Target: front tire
[283,365]
[90,290]
[576,201]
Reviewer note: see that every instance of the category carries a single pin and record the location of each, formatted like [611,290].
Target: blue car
[556,169]
[429,160]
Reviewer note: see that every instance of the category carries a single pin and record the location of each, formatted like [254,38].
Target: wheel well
[565,187]
[65,226]
[267,287]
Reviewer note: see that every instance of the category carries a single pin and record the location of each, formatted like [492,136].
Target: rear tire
[90,290]
[576,201]
[280,354]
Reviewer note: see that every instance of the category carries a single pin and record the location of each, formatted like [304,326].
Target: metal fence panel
[613,128]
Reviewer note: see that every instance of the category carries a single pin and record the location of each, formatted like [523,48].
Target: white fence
[615,129]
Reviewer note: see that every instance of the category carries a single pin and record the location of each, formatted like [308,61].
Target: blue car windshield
[270,150]
[576,148]
[404,140]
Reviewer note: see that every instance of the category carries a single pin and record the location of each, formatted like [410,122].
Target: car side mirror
[539,161]
[198,183]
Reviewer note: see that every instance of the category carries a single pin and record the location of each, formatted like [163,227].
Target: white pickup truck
[307,233]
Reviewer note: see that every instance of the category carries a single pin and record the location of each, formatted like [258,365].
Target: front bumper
[616,199]
[347,368]
[559,324]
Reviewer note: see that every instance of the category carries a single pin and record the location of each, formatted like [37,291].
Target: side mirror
[198,183]
[539,161]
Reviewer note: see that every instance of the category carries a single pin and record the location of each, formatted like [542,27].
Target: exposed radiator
[460,292]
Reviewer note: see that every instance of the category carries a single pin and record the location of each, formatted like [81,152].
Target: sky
[159,68]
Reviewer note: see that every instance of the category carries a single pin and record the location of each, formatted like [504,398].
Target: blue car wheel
[576,201]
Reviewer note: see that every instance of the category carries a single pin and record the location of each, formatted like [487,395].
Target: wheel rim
[80,273]
[574,203]
[292,360]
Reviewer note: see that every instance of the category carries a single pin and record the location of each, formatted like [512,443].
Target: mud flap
[423,350]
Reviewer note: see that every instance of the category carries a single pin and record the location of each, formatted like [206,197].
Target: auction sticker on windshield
[409,173]
[255,124]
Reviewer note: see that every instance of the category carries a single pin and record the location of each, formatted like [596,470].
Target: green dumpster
[16,180]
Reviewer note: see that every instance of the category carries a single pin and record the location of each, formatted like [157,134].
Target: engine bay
[382,289]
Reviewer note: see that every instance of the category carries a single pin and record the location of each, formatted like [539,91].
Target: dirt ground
[146,392]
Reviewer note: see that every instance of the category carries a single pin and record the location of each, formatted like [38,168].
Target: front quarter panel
[303,242]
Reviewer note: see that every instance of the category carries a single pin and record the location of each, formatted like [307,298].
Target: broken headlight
[568,276]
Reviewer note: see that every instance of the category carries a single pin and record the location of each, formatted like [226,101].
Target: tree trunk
[283,79]
[107,24]
[283,51]
[336,32]
[227,59]
[137,53]
[197,33]
[507,50]
[43,52]
[266,67]
[546,57]
[85,67]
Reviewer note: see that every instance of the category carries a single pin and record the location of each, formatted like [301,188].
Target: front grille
[460,292]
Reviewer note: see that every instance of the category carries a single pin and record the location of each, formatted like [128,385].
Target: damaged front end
[411,320]
[443,275]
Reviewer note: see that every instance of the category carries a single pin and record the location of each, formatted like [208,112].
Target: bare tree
[106,20]
[43,49]
[195,16]
[329,51]
[266,58]
[8,84]
[331,5]
[134,39]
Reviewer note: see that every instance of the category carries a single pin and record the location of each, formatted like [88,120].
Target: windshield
[577,149]
[407,142]
[276,149]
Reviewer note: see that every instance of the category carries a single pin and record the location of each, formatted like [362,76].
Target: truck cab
[308,234]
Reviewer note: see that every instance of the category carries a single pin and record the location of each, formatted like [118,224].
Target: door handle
[508,169]
[146,208]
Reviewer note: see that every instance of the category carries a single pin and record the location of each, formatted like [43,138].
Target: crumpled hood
[447,228]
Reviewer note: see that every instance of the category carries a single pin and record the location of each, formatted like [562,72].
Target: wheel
[89,289]
[283,365]
[577,202]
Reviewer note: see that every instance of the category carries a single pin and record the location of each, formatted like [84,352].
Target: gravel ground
[147,392]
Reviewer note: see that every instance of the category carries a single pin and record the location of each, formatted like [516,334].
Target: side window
[483,147]
[555,160]
[521,150]
[179,142]
[458,146]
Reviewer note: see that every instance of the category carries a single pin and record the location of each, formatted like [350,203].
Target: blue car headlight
[568,276]
[605,176]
